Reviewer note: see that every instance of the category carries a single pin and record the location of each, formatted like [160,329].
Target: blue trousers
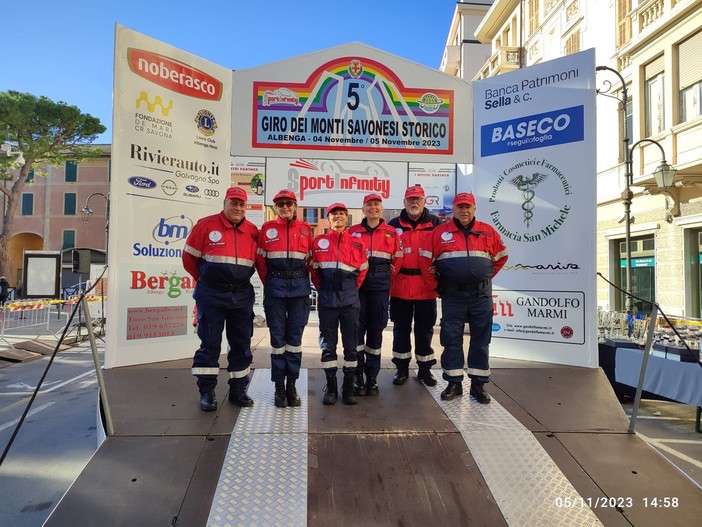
[215,310]
[424,314]
[476,310]
[330,320]
[373,320]
[286,319]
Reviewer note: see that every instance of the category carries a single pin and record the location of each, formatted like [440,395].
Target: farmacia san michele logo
[533,183]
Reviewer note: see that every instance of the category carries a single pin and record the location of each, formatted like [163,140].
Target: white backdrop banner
[170,167]
[535,183]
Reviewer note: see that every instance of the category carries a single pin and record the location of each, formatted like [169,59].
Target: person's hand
[432,270]
[392,268]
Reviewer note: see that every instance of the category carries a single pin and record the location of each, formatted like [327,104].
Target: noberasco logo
[174,75]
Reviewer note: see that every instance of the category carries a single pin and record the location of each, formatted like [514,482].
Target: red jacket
[218,253]
[284,257]
[384,248]
[467,259]
[414,281]
[339,265]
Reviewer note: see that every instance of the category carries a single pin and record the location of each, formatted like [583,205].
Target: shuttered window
[655,96]
[623,23]
[533,16]
[690,77]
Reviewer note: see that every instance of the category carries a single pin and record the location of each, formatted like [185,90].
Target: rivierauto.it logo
[173,75]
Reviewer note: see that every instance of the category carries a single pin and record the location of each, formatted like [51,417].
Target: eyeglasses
[282,204]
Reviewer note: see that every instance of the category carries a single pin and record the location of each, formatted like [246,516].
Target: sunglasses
[284,203]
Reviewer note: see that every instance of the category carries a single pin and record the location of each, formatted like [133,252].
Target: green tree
[47,133]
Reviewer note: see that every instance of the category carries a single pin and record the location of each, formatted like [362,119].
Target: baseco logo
[211,192]
[173,75]
[524,177]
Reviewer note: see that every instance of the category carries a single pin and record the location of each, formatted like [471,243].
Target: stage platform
[551,449]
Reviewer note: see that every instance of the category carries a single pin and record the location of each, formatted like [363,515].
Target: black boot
[347,388]
[401,375]
[426,377]
[238,395]
[291,393]
[358,387]
[331,391]
[371,385]
[280,398]
[208,401]
[477,390]
[453,390]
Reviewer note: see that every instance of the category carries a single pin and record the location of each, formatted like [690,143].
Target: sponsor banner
[249,173]
[318,182]
[352,102]
[170,167]
[530,126]
[543,316]
[439,183]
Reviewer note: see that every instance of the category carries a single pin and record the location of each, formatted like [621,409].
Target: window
[533,16]
[628,122]
[310,215]
[690,77]
[572,44]
[69,240]
[30,177]
[71,171]
[69,203]
[643,276]
[655,116]
[27,204]
[623,23]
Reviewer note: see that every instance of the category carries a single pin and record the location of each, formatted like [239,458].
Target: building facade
[655,48]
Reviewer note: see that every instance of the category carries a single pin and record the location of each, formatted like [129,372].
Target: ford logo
[141,182]
[192,188]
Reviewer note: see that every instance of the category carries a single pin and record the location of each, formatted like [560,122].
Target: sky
[65,50]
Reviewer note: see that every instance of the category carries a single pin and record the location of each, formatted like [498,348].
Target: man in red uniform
[283,265]
[339,265]
[220,254]
[413,294]
[468,254]
[384,261]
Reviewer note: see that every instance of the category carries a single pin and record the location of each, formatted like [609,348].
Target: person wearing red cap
[339,265]
[282,262]
[220,253]
[468,254]
[384,261]
[413,294]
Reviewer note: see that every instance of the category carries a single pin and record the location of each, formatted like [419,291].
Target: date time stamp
[611,502]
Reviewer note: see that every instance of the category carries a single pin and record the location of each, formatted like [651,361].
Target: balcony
[451,61]
[505,59]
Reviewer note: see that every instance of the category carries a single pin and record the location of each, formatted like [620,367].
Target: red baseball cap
[335,206]
[236,193]
[415,191]
[285,194]
[371,197]
[464,198]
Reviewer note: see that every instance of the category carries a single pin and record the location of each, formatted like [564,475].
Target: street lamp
[86,213]
[6,150]
[664,176]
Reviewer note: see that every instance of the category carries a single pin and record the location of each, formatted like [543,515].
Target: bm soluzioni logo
[165,234]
